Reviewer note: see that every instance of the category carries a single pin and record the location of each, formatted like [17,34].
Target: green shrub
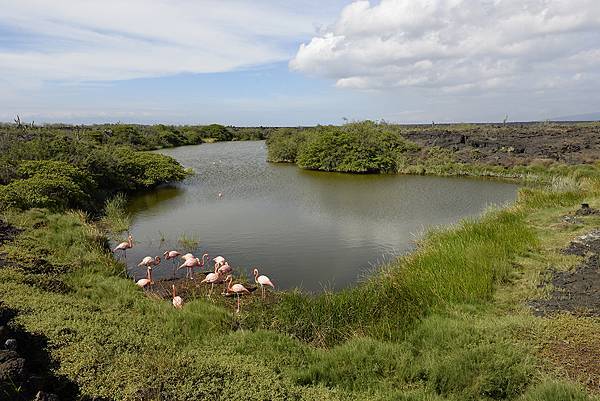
[282,146]
[364,147]
[216,132]
[47,184]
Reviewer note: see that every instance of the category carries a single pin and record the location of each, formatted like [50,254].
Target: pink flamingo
[225,269]
[145,281]
[262,281]
[236,289]
[190,263]
[171,255]
[212,279]
[124,246]
[219,260]
[177,300]
[149,261]
[202,262]
[187,256]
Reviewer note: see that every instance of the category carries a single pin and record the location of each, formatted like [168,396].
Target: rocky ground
[576,291]
[513,144]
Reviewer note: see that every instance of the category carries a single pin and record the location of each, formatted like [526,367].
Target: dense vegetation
[60,169]
[363,147]
[444,323]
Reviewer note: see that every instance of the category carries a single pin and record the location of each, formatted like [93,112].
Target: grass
[457,265]
[444,323]
[116,219]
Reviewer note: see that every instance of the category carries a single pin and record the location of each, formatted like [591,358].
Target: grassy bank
[448,322]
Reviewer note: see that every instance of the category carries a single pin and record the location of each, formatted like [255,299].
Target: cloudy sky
[298,62]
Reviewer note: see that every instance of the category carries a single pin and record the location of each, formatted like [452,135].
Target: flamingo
[262,281]
[145,281]
[212,279]
[124,246]
[225,269]
[171,255]
[219,260]
[149,261]
[177,300]
[237,289]
[190,263]
[187,256]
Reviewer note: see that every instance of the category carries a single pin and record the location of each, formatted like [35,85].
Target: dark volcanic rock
[512,144]
[578,291]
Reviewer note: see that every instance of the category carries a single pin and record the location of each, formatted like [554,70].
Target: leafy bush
[282,146]
[47,184]
[364,147]
[73,170]
[216,132]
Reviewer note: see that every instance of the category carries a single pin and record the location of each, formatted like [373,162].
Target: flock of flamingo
[221,274]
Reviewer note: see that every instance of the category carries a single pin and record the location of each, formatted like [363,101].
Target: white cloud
[81,40]
[459,45]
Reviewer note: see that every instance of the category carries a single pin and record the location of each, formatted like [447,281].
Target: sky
[298,62]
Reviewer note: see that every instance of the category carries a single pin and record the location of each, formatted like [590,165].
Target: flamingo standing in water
[124,246]
[262,281]
[148,261]
[212,279]
[177,300]
[145,281]
[236,289]
[171,255]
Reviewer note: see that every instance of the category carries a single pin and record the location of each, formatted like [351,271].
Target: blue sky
[297,62]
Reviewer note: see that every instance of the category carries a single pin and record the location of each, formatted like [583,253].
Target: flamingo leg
[238,303]
[173,262]
[211,289]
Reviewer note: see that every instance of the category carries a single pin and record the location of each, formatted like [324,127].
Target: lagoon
[304,229]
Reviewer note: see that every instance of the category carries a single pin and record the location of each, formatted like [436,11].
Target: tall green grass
[116,218]
[456,265]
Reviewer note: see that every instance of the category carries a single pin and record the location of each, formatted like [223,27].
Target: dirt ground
[513,144]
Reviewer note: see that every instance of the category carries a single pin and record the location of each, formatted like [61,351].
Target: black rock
[42,396]
[11,344]
[13,370]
